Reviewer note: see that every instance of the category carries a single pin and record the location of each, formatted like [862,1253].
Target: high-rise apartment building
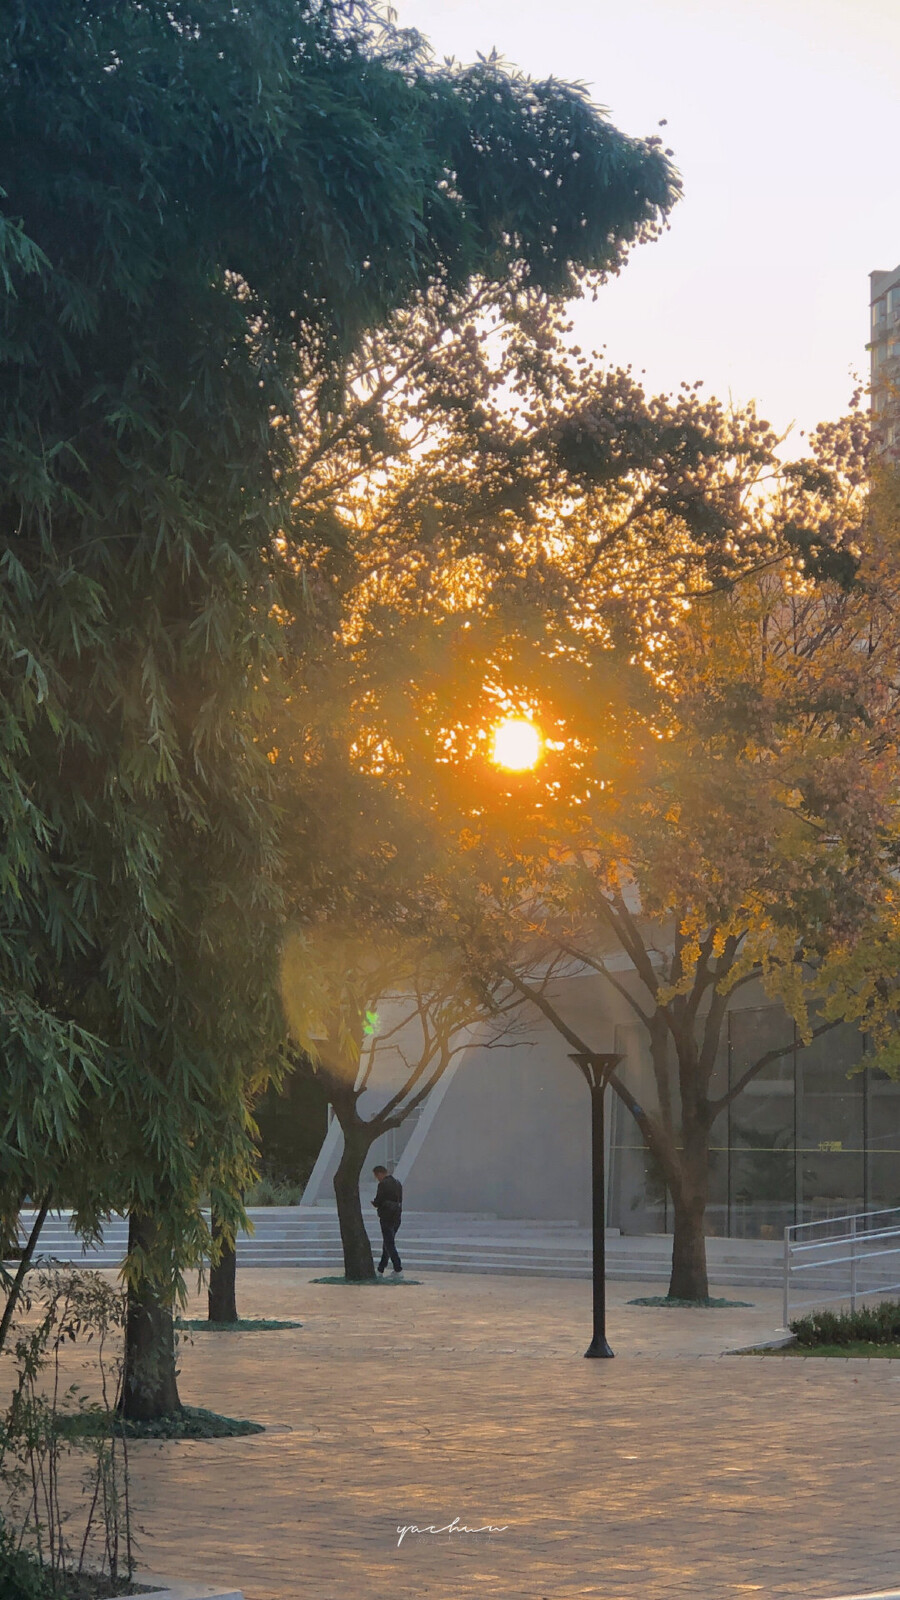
[885,351]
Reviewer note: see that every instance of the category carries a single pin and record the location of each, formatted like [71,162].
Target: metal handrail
[857,1232]
[859,1238]
[847,1216]
[838,1261]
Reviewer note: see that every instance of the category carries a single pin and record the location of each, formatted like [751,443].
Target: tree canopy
[204,209]
[751,838]
[705,636]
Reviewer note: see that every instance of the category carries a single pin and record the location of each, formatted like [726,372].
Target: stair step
[309,1240]
[617,1271]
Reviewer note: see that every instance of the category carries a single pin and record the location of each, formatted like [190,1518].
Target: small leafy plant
[48,1551]
[21,1577]
[867,1324]
[273,1192]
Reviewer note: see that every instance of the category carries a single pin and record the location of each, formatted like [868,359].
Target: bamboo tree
[204,211]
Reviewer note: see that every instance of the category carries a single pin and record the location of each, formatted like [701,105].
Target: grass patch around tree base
[192,1422]
[243,1325]
[690,1305]
[365,1283]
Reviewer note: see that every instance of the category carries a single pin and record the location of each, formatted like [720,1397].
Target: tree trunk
[358,1262]
[24,1263]
[690,1194]
[149,1384]
[222,1299]
[689,1280]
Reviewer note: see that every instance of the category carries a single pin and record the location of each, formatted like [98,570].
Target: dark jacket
[389,1197]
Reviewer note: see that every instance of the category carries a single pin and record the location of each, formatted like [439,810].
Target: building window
[815,1135]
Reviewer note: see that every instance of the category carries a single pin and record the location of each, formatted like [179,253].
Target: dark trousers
[390,1222]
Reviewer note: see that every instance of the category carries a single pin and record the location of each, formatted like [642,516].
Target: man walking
[388,1203]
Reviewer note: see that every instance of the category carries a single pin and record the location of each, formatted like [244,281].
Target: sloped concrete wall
[506,1132]
[511,1136]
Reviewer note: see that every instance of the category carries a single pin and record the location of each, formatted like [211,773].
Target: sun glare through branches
[516,744]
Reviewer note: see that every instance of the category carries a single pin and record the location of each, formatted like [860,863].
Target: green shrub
[872,1324]
[21,1577]
[269,1192]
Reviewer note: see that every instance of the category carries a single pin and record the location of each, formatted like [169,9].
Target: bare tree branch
[599,965]
[629,936]
[717,1106]
[654,1137]
[549,1011]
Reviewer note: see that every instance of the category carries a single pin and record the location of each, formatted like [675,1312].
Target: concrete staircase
[307,1237]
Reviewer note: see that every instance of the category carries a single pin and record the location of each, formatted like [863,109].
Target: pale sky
[784,118]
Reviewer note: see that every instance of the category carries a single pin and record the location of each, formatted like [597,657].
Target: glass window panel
[762,1125]
[830,1116]
[635,1187]
[767,1183]
[884,1141]
[717,1209]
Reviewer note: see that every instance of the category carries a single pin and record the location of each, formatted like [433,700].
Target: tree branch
[749,977]
[548,1010]
[626,931]
[598,965]
[24,1263]
[704,976]
[725,1100]
[653,1137]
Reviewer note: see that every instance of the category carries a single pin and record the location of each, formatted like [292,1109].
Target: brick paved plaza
[674,1470]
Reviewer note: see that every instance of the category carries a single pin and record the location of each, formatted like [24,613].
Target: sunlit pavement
[673,1470]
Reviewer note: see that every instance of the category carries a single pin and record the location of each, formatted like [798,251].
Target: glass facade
[815,1134]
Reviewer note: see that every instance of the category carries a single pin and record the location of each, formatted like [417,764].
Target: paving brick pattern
[674,1470]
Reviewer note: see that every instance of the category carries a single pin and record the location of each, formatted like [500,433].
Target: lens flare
[516,744]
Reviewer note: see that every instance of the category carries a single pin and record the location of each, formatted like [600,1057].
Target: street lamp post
[597,1070]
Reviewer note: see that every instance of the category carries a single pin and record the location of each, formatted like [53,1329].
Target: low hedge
[870,1324]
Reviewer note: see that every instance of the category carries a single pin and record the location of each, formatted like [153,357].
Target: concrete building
[884,348]
[506,1130]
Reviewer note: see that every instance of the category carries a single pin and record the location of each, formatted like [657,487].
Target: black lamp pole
[597,1070]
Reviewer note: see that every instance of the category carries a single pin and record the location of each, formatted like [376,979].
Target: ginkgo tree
[467,428]
[754,840]
[705,636]
[749,835]
[859,975]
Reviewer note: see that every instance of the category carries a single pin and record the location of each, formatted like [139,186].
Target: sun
[515,744]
